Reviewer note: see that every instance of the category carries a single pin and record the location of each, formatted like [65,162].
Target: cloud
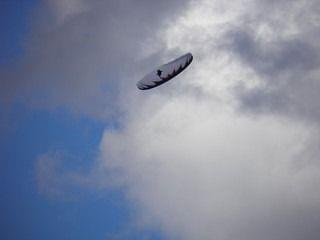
[82,54]
[281,47]
[228,149]
[63,9]
[198,173]
[62,176]
[50,175]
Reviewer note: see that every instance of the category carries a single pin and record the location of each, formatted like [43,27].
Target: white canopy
[165,72]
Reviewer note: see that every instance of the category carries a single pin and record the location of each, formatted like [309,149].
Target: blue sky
[14,25]
[229,149]
[28,132]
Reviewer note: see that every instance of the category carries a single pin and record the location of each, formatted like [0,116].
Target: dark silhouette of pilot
[159,72]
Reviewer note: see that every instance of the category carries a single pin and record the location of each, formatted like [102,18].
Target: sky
[229,149]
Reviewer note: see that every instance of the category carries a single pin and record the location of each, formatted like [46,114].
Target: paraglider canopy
[165,72]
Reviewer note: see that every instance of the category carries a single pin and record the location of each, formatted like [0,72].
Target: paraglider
[165,72]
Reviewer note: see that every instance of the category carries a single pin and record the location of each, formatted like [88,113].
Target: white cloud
[228,149]
[203,173]
[195,165]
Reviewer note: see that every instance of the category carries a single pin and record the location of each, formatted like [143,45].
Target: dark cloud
[80,53]
[287,64]
[274,58]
